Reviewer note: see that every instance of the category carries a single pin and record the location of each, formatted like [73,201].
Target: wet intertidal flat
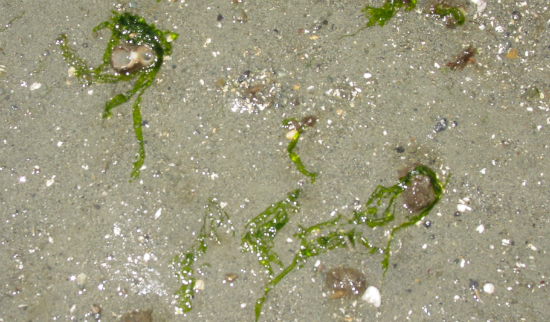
[252,160]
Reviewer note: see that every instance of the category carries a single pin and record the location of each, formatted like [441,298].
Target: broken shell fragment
[372,295]
[130,58]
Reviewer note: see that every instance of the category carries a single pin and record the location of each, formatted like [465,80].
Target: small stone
[345,282]
[81,279]
[512,54]
[137,316]
[441,125]
[229,278]
[489,288]
[96,309]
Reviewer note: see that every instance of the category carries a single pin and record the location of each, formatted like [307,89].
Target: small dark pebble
[243,76]
[14,107]
[516,15]
[400,149]
[473,285]
[457,213]
[428,223]
[441,125]
[85,45]
[220,17]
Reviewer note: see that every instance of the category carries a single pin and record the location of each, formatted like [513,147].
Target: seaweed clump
[338,233]
[451,12]
[126,30]
[342,232]
[379,16]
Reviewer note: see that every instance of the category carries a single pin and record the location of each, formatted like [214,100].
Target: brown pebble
[96,309]
[229,278]
[512,54]
[419,193]
[345,282]
[137,316]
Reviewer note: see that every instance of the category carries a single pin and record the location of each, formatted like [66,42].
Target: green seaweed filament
[130,30]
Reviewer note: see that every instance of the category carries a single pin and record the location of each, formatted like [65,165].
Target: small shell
[372,296]
[146,55]
[129,58]
[489,288]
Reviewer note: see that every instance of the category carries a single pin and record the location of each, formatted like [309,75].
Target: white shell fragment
[462,208]
[35,86]
[489,288]
[480,229]
[199,285]
[372,295]
[291,134]
[158,213]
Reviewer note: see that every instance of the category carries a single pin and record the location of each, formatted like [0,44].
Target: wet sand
[76,233]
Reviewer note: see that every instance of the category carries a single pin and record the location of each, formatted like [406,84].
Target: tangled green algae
[340,232]
[379,16]
[125,29]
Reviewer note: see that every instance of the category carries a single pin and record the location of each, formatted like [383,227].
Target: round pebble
[81,279]
[489,288]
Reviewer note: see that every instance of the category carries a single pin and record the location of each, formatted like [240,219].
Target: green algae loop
[389,195]
[343,233]
[262,229]
[214,218]
[443,11]
[292,155]
[126,29]
[379,16]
